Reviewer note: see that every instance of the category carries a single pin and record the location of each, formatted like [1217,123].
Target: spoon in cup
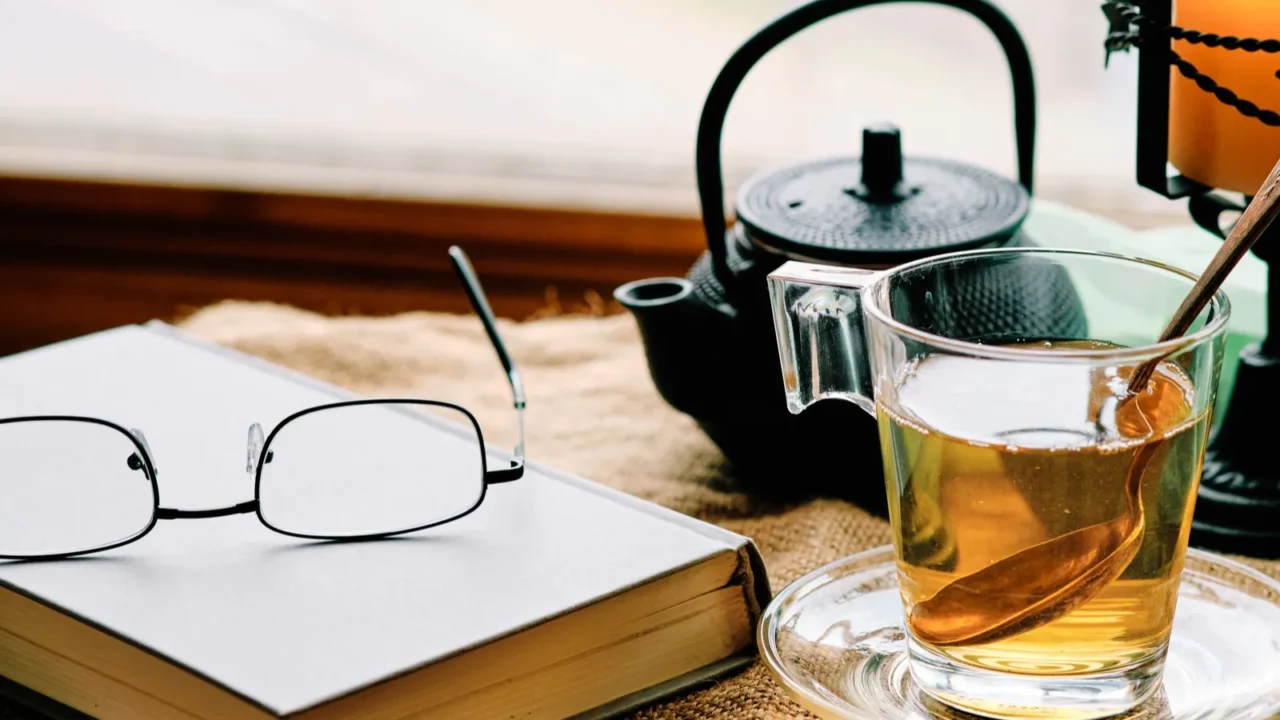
[1045,581]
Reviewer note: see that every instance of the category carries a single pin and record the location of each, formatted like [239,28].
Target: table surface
[592,411]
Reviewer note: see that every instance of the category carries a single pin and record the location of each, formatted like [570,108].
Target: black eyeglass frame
[145,462]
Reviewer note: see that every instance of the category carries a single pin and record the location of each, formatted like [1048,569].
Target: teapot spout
[680,333]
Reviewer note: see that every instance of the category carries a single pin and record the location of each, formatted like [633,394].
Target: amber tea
[985,459]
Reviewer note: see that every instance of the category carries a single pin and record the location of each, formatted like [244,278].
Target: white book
[556,597]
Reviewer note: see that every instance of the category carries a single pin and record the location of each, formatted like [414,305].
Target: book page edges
[161,685]
[753,581]
[688,682]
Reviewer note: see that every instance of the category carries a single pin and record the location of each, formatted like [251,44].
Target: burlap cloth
[592,411]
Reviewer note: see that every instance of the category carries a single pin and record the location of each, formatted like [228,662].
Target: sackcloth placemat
[592,411]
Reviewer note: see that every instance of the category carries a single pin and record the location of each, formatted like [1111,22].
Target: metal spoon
[1040,584]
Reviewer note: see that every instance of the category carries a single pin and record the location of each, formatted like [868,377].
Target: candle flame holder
[1238,505]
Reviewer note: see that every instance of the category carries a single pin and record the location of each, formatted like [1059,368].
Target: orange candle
[1209,141]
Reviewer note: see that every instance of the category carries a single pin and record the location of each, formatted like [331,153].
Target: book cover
[286,626]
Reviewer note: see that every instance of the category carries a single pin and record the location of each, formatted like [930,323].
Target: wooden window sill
[330,159]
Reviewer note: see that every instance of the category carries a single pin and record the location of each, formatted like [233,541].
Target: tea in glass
[986,459]
[1040,510]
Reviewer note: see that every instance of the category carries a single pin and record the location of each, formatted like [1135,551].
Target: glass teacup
[1040,511]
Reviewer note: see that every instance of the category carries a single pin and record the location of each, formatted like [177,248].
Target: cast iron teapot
[709,336]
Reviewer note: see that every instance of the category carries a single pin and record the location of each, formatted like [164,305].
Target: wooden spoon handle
[1256,219]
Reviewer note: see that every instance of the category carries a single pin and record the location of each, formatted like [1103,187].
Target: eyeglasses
[352,470]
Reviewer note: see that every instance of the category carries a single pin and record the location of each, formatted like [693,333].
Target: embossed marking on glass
[346,470]
[996,438]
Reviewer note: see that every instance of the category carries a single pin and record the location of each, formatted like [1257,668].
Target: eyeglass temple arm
[479,303]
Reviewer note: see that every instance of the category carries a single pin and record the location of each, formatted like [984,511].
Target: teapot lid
[880,209]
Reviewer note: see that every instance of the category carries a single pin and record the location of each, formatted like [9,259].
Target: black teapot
[709,336]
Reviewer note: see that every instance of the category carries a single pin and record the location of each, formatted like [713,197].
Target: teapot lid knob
[881,161]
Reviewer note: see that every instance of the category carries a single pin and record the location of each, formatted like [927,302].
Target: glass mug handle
[821,333]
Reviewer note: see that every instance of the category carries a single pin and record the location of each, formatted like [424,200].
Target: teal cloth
[1185,246]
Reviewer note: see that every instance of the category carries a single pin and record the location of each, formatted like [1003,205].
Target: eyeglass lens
[370,469]
[70,486]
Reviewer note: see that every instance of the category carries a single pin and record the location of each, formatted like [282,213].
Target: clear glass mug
[999,382]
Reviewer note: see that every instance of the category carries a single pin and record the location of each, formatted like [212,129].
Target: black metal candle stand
[1238,506]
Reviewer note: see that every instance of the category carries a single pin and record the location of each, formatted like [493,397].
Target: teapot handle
[711,125]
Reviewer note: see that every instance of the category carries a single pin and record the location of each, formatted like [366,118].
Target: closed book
[556,597]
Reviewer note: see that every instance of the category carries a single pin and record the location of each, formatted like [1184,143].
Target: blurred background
[158,155]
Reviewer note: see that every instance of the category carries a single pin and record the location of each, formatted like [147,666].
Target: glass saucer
[834,639]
